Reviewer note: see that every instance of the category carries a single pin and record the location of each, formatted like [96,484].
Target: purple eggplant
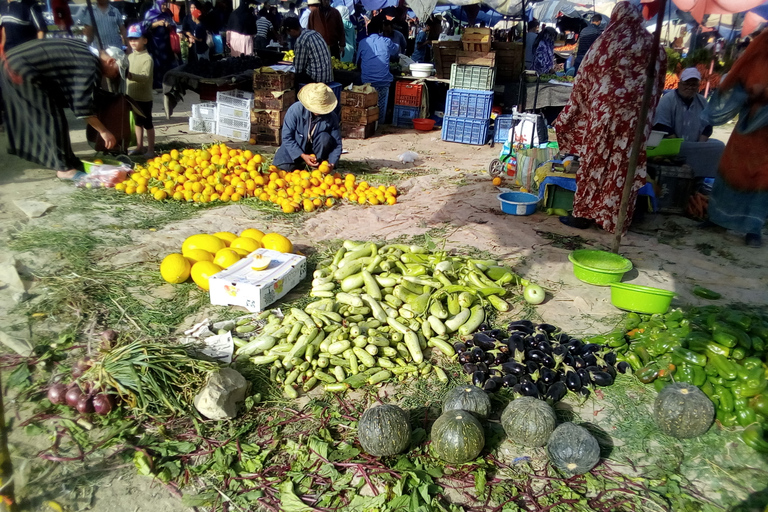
[532,366]
[589,359]
[469,368]
[478,354]
[526,324]
[589,348]
[547,376]
[556,392]
[482,367]
[459,347]
[623,367]
[483,341]
[493,372]
[509,380]
[561,337]
[610,370]
[524,378]
[584,376]
[547,328]
[541,387]
[517,389]
[529,389]
[466,357]
[483,327]
[497,334]
[578,363]
[610,358]
[514,368]
[560,350]
[584,392]
[601,378]
[544,346]
[536,355]
[478,378]
[490,386]
[574,346]
[572,381]
[501,358]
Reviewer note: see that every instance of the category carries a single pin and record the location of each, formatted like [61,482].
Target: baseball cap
[134,31]
[313,2]
[689,73]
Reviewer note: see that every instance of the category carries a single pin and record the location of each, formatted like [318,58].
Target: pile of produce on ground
[538,361]
[220,173]
[458,435]
[204,255]
[720,350]
[380,308]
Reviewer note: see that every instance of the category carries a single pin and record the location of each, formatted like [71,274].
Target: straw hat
[318,98]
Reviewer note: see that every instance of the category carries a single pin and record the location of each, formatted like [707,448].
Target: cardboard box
[267,78]
[357,115]
[359,99]
[357,131]
[240,285]
[273,100]
[272,118]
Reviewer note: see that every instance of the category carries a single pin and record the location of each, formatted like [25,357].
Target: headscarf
[344,13]
[243,20]
[156,13]
[544,51]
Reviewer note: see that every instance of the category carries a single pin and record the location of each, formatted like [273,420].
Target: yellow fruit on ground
[202,241]
[226,237]
[252,233]
[288,208]
[175,268]
[202,271]
[496,181]
[260,262]
[242,252]
[225,258]
[195,255]
[248,244]
[160,195]
[277,242]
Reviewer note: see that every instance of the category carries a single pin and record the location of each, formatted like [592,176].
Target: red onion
[103,403]
[73,396]
[85,405]
[108,338]
[56,393]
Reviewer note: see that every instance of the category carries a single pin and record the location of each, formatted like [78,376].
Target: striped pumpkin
[457,437]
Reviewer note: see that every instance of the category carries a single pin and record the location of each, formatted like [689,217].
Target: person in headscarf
[326,20]
[158,24]
[240,29]
[544,51]
[350,35]
[598,123]
[739,199]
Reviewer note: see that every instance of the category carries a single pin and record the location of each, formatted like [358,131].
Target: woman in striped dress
[41,77]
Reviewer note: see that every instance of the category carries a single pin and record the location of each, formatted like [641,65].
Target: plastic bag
[104,176]
[408,157]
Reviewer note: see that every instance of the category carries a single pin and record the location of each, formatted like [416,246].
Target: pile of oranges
[220,173]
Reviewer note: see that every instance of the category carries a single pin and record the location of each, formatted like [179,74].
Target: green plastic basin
[600,268]
[640,299]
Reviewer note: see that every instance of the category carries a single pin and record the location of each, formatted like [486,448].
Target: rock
[219,398]
[10,282]
[18,342]
[32,208]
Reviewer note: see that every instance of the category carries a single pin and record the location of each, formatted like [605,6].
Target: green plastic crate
[667,147]
[558,197]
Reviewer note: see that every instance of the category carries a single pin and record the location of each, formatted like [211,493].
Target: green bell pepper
[684,373]
[647,374]
[760,404]
[727,418]
[699,376]
[725,368]
[754,437]
[725,397]
[689,356]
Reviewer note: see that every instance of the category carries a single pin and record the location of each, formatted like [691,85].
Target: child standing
[198,38]
[139,89]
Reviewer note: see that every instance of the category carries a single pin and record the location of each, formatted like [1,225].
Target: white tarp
[423,8]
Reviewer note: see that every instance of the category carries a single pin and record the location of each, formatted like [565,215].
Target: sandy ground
[447,194]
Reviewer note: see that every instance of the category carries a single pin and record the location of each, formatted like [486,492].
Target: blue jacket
[295,134]
[373,54]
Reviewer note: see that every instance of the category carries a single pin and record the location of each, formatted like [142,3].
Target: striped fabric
[21,23]
[313,57]
[108,23]
[56,73]
[263,27]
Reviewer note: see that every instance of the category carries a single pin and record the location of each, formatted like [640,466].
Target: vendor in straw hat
[311,131]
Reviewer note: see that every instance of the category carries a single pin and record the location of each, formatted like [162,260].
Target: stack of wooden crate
[273,94]
[476,40]
[359,113]
[509,60]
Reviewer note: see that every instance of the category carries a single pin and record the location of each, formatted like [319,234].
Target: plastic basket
[236,99]
[408,94]
[667,147]
[465,130]
[469,103]
[205,111]
[481,78]
[234,122]
[233,133]
[240,113]
[501,127]
[403,117]
[201,125]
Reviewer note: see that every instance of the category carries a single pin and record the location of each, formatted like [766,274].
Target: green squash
[457,437]
[573,450]
[384,430]
[528,421]
[682,410]
[468,398]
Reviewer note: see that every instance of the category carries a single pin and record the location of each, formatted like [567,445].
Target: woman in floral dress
[599,122]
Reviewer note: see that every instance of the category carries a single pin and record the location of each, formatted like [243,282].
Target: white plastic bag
[408,157]
[524,130]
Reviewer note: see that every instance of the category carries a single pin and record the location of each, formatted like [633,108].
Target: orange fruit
[496,181]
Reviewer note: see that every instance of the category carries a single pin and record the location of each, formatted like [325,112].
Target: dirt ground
[448,194]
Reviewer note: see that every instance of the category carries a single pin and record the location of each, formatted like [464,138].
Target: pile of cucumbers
[381,309]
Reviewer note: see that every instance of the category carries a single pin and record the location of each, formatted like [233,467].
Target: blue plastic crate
[403,116]
[469,103]
[501,127]
[465,130]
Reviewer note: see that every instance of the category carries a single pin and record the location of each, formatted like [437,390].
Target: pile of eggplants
[537,360]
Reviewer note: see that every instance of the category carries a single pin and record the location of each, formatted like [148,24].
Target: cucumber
[442,346]
[259,360]
[412,342]
[453,323]
[337,347]
[476,317]
[379,377]
[352,282]
[437,310]
[350,300]
[364,357]
[338,387]
[454,308]
[371,287]
[498,303]
[290,392]
[437,326]
[257,345]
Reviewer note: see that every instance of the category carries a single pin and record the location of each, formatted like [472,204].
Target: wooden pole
[7,496]
[637,146]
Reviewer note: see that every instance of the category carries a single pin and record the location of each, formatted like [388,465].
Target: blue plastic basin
[518,203]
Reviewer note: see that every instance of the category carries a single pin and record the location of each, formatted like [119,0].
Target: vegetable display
[384,430]
[528,421]
[538,361]
[382,310]
[468,398]
[572,449]
[717,349]
[681,410]
[457,437]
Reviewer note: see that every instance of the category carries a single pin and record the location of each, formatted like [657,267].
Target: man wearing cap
[679,116]
[311,132]
[38,79]
[312,59]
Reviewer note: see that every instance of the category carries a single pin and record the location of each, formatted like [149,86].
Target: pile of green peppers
[720,350]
